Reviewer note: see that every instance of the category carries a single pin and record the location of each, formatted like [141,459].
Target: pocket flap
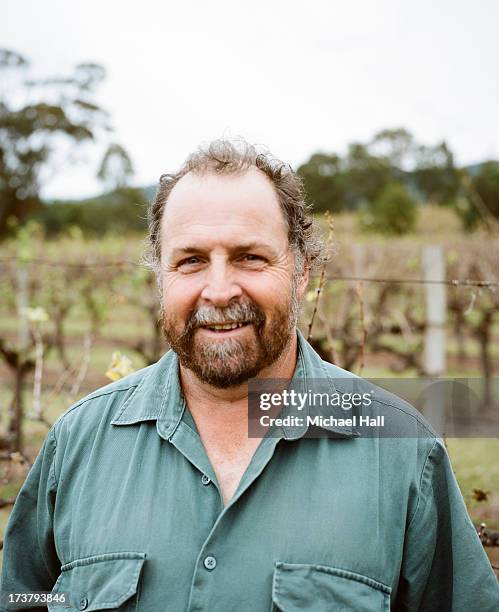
[298,586]
[99,582]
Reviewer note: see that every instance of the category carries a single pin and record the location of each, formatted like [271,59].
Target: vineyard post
[22,364]
[434,341]
[359,257]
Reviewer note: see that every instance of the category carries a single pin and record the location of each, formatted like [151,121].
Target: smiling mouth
[224,327]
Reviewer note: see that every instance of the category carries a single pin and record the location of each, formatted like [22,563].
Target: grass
[472,472]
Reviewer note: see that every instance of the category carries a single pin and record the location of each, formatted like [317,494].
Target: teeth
[225,325]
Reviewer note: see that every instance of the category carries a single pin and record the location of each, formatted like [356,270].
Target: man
[149,494]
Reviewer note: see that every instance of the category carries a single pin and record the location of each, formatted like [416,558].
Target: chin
[226,363]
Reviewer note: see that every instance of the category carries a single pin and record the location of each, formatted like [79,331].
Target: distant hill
[474,169]
[150,191]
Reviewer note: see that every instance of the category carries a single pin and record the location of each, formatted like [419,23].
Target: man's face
[230,288]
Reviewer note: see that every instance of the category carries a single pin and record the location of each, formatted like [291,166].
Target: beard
[230,362]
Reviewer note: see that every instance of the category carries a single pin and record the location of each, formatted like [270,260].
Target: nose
[220,287]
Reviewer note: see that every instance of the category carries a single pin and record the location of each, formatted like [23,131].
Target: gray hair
[231,156]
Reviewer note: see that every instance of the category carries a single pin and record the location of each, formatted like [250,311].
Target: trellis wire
[124,263]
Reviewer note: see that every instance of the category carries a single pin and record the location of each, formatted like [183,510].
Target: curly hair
[232,156]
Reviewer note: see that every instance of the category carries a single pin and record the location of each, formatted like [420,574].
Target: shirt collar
[311,366]
[158,395]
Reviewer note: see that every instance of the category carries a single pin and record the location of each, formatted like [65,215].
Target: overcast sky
[295,76]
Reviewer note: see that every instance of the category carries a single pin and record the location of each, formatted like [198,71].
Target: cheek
[270,292]
[179,295]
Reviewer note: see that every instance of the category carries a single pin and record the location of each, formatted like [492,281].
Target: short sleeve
[445,566]
[30,561]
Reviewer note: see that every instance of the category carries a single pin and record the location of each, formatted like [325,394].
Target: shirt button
[210,563]
[83,603]
[205,479]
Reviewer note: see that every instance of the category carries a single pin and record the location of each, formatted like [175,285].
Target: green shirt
[122,510]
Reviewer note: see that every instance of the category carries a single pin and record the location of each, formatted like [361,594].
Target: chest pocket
[319,588]
[102,582]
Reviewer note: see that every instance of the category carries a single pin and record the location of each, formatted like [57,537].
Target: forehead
[227,209]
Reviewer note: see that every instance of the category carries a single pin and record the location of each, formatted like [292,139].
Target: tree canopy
[43,124]
[357,179]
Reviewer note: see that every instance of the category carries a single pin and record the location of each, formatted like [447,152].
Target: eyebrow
[249,246]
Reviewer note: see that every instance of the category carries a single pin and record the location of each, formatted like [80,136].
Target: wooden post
[434,342]
[16,410]
[436,311]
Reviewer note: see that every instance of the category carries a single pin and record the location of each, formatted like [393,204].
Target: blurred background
[387,110]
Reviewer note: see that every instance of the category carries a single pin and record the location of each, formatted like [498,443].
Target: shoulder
[383,401]
[103,403]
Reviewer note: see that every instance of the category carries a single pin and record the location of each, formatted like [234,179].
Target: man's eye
[252,258]
[189,262]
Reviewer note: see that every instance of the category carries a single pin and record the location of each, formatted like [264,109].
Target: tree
[365,176]
[435,174]
[393,211]
[43,122]
[322,178]
[482,202]
[337,184]
[396,146]
[116,167]
[355,180]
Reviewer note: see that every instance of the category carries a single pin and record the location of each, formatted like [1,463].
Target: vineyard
[76,313]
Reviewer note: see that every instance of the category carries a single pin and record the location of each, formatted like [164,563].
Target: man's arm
[445,566]
[30,561]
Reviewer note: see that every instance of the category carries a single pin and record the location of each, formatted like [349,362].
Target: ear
[303,282]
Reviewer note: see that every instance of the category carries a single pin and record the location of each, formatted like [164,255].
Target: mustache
[238,312]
